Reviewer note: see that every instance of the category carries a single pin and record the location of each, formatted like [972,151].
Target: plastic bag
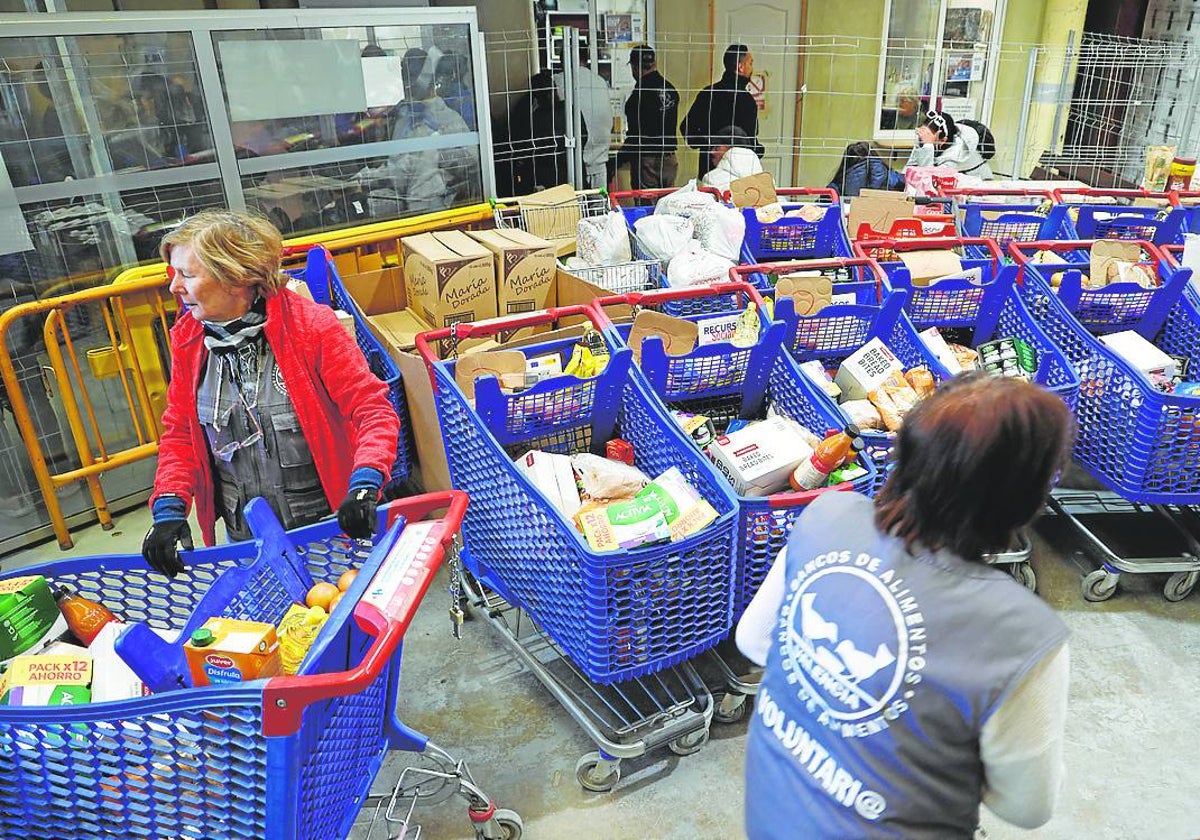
[928,180]
[695,266]
[662,237]
[685,201]
[601,478]
[862,413]
[603,240]
[721,229]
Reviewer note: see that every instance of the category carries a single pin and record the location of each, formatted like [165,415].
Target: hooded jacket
[724,103]
[342,407]
[962,154]
[651,112]
[738,162]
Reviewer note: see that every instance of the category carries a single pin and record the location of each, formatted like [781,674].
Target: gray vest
[884,668]
[277,464]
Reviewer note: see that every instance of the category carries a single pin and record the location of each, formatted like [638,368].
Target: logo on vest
[854,667]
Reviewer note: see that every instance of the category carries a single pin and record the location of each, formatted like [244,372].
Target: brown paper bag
[753,191]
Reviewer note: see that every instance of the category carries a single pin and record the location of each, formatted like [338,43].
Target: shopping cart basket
[727,383]
[1010,214]
[1113,307]
[1189,202]
[617,615]
[855,280]
[556,223]
[792,237]
[902,229]
[1110,214]
[325,286]
[284,757]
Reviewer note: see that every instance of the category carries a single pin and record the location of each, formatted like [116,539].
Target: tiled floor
[1134,770]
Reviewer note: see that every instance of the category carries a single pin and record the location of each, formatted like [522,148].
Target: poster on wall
[966,26]
[619,28]
[961,108]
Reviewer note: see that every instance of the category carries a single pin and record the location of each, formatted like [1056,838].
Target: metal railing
[132,307]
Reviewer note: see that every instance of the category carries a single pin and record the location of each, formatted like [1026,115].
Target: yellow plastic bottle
[297,632]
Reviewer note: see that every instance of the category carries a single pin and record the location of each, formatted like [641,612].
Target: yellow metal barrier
[132,305]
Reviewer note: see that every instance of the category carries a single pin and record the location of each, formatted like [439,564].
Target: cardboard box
[1140,353]
[525,267]
[379,291]
[552,474]
[925,266]
[759,459]
[810,292]
[878,209]
[865,368]
[448,277]
[397,329]
[552,214]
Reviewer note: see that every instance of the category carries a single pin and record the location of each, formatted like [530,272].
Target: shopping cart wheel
[1025,575]
[1099,585]
[689,743]
[1180,585]
[730,707]
[509,823]
[596,773]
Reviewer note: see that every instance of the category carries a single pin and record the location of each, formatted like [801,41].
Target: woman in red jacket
[269,396]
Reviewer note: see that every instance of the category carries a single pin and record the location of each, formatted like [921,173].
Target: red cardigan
[342,407]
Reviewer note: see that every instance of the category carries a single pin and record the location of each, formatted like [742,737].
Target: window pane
[965,43]
[908,62]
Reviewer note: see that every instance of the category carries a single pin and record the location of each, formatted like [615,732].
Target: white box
[865,368]
[112,679]
[1140,353]
[553,475]
[759,459]
[941,350]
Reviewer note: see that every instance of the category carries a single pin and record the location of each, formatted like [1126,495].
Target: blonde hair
[237,248]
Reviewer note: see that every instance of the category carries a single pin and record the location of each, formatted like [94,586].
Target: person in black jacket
[651,112]
[725,102]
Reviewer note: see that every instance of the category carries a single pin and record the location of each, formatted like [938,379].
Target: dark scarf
[237,344]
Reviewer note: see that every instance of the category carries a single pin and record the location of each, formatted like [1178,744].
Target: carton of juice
[226,650]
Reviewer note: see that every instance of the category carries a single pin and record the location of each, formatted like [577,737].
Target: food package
[867,367]
[769,214]
[921,381]
[686,201]
[759,458]
[1124,272]
[807,212]
[820,377]
[720,229]
[1044,256]
[227,650]
[1158,167]
[624,525]
[663,236]
[1008,357]
[603,240]
[685,511]
[61,678]
[863,413]
[694,266]
[894,398]
[1140,353]
[554,476]
[967,358]
[811,440]
[601,478]
[936,345]
[698,426]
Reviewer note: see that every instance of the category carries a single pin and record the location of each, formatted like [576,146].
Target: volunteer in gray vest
[269,396]
[943,142]
[907,680]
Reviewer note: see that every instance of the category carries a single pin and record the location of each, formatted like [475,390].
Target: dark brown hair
[974,463]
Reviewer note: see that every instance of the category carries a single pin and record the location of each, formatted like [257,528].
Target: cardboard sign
[678,336]
[810,292]
[755,190]
[489,362]
[1107,251]
[925,266]
[878,209]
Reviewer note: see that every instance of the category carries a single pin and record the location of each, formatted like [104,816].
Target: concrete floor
[1133,767]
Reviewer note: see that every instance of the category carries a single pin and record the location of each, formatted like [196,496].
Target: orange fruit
[336,598]
[321,595]
[346,579]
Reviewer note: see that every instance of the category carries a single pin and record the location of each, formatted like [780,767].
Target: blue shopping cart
[794,237]
[1004,215]
[326,287]
[1140,442]
[1111,214]
[282,757]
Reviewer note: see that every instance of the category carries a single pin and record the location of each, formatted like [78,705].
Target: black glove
[159,546]
[356,514]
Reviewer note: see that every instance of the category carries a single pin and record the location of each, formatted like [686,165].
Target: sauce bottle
[84,617]
[830,454]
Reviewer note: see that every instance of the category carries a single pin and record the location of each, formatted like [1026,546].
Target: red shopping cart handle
[726,287]
[1022,251]
[802,498]
[952,192]
[385,610]
[1136,192]
[928,243]
[659,192]
[1177,197]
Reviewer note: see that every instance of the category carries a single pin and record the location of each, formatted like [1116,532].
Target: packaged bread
[769,214]
[967,358]
[862,414]
[894,398]
[808,212]
[921,381]
[1119,271]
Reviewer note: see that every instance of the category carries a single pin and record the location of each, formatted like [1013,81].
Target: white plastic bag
[685,201]
[721,229]
[601,478]
[695,266]
[662,237]
[603,240]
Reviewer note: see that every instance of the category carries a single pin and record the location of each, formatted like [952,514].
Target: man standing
[595,103]
[724,103]
[651,113]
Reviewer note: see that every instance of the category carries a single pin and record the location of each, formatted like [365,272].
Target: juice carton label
[241,650]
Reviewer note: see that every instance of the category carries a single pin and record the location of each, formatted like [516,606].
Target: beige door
[762,26]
